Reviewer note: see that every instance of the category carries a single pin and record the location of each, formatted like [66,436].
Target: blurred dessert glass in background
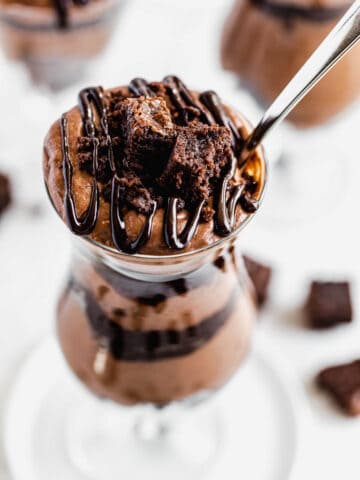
[265,42]
[56,40]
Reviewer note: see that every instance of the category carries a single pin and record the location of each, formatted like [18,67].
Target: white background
[155,38]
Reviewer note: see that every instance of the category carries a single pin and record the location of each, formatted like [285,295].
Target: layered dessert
[56,38]
[158,306]
[265,42]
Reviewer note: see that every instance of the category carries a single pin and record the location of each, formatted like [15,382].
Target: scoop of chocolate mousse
[150,169]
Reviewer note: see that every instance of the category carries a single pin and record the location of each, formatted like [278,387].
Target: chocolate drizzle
[86,223]
[62,9]
[187,107]
[290,12]
[140,88]
[118,226]
[172,238]
[183,99]
[213,103]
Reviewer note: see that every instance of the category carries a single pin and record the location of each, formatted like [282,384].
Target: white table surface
[157,37]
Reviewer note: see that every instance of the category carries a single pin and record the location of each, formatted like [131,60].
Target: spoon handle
[341,38]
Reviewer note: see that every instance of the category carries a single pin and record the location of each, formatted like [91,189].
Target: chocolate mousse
[265,42]
[147,176]
[151,168]
[56,39]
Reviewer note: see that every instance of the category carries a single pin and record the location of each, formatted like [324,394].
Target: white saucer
[260,408]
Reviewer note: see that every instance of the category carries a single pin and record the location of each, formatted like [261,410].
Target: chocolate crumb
[5,192]
[343,383]
[328,304]
[260,276]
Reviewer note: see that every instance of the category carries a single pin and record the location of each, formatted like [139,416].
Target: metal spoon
[342,37]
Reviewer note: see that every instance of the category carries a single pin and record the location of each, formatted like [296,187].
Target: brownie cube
[5,192]
[148,132]
[343,383]
[260,276]
[199,156]
[329,304]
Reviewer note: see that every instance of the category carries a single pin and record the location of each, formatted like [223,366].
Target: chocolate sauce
[62,9]
[182,100]
[141,88]
[118,226]
[172,238]
[290,12]
[86,223]
[225,212]
[137,346]
[213,103]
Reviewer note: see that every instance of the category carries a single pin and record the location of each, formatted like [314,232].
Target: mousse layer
[134,346]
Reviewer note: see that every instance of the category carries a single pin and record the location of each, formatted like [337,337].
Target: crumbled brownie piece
[343,383]
[207,213]
[5,192]
[328,304]
[198,158]
[148,132]
[134,193]
[260,276]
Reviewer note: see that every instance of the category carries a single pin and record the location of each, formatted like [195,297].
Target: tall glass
[152,332]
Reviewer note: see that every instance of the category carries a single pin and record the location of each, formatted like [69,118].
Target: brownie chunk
[135,194]
[343,383]
[149,133]
[329,304]
[260,276]
[5,192]
[199,156]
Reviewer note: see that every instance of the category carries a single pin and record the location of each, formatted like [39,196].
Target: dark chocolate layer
[42,27]
[289,12]
[136,346]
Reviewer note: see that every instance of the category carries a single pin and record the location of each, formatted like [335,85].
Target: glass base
[108,441]
[56,429]
[57,75]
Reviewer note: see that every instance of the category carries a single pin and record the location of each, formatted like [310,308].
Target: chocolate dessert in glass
[57,39]
[158,309]
[264,43]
